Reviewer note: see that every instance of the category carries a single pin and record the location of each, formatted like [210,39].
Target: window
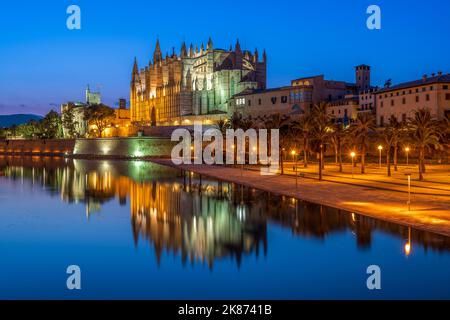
[424,89]
[249,103]
[428,97]
[392,103]
[284,99]
[431,88]
[417,99]
[259,101]
[445,87]
[404,100]
[381,121]
[447,96]
[381,104]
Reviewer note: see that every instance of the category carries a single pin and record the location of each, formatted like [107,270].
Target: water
[139,230]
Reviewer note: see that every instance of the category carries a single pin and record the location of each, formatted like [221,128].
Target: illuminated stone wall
[124,147]
[51,147]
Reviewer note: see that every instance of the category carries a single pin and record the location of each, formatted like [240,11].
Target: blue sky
[43,64]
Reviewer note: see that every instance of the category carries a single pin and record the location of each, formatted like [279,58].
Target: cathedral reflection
[200,220]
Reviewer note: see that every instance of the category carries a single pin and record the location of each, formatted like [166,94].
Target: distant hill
[7,121]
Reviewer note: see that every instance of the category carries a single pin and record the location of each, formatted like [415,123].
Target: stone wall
[91,148]
[38,147]
[123,147]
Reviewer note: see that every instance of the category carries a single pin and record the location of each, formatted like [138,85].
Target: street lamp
[407,149]
[380,148]
[294,153]
[408,174]
[353,154]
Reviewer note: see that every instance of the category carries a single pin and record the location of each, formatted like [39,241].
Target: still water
[139,230]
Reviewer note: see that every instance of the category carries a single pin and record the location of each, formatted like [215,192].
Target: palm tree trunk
[340,157]
[336,153]
[396,157]
[363,158]
[320,163]
[420,165]
[305,152]
[281,161]
[388,159]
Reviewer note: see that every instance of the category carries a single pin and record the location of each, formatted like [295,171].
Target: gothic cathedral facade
[196,85]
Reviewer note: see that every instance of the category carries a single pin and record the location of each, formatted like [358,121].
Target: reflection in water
[202,220]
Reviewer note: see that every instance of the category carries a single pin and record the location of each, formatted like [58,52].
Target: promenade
[372,194]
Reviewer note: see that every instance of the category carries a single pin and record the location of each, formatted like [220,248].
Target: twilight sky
[43,64]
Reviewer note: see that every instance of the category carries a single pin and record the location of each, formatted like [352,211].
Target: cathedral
[196,85]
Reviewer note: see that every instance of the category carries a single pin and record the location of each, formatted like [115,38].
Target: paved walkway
[371,194]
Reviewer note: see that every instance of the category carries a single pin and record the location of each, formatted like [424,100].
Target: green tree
[425,133]
[69,123]
[304,130]
[279,122]
[361,129]
[51,127]
[338,135]
[100,116]
[321,132]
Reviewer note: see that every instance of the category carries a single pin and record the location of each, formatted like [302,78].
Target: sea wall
[120,148]
[123,147]
[37,147]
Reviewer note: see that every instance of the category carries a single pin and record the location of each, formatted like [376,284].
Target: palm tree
[398,130]
[338,134]
[304,128]
[361,129]
[278,122]
[236,121]
[222,125]
[390,138]
[425,134]
[321,131]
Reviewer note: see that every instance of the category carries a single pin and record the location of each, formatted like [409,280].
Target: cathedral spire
[202,49]
[191,51]
[264,56]
[210,44]
[183,50]
[157,55]
[238,46]
[135,71]
[256,56]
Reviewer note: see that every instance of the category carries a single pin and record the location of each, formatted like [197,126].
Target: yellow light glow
[352,154]
[408,248]
[380,148]
[407,149]
[293,152]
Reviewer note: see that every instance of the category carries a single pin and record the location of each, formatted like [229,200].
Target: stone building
[195,85]
[403,99]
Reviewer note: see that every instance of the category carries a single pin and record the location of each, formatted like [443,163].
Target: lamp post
[294,153]
[353,154]
[380,149]
[408,174]
[407,149]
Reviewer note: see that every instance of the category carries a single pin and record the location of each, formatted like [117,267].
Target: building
[403,99]
[285,100]
[93,97]
[303,93]
[78,111]
[195,85]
